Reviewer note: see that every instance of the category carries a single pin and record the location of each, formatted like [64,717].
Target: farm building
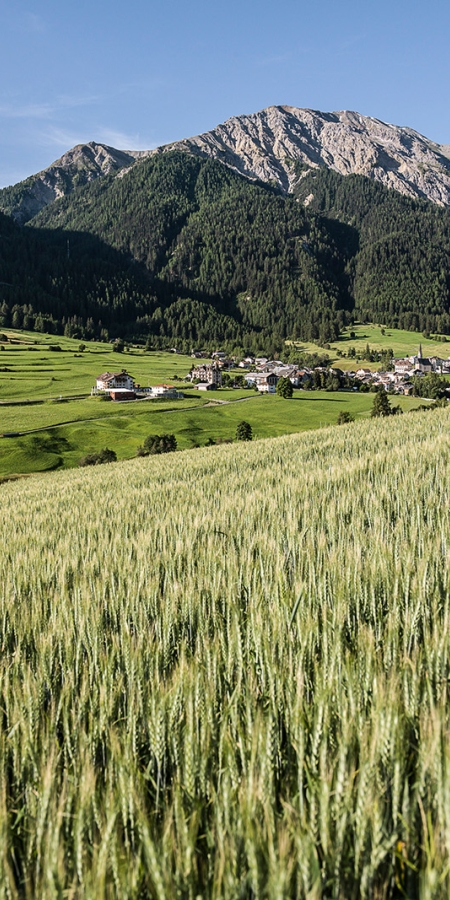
[122,394]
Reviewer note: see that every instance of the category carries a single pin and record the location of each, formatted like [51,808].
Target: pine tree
[381,405]
[244,431]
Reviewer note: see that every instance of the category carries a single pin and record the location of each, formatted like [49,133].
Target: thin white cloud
[27,111]
[62,138]
[122,140]
[34,23]
[45,110]
[69,101]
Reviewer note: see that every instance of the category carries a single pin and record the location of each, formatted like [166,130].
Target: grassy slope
[39,373]
[403,343]
[33,366]
[123,429]
[225,673]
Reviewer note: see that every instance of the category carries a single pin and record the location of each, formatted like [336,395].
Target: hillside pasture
[402,343]
[35,371]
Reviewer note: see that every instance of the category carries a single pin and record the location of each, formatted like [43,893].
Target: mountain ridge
[278,144]
[345,141]
[78,166]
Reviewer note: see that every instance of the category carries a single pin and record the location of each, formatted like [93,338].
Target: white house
[113,380]
[166,390]
[247,362]
[266,382]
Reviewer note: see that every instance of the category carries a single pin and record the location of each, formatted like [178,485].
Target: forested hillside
[400,274]
[182,249]
[52,281]
[206,255]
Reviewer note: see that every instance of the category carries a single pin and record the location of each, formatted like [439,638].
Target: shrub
[158,443]
[96,459]
[344,417]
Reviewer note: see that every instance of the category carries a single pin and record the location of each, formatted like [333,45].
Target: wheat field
[225,673]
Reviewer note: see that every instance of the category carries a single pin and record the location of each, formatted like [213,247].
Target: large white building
[207,374]
[110,381]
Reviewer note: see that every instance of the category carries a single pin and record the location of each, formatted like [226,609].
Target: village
[262,374]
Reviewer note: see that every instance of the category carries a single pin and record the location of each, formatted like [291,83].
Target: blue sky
[138,74]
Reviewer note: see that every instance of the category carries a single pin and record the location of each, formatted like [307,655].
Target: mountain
[265,145]
[181,249]
[278,225]
[82,164]
[184,250]
[278,145]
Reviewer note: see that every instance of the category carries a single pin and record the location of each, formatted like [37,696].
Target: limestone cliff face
[78,166]
[264,145]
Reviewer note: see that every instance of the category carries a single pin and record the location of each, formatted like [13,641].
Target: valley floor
[47,391]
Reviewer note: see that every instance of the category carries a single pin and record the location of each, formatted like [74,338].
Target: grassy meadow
[123,428]
[230,678]
[48,391]
[37,372]
[403,343]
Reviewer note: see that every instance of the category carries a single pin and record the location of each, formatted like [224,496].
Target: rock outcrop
[78,166]
[266,144]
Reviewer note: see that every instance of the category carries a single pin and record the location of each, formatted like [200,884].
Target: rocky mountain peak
[266,144]
[81,164]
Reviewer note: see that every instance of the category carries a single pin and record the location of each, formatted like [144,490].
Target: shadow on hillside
[319,399]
